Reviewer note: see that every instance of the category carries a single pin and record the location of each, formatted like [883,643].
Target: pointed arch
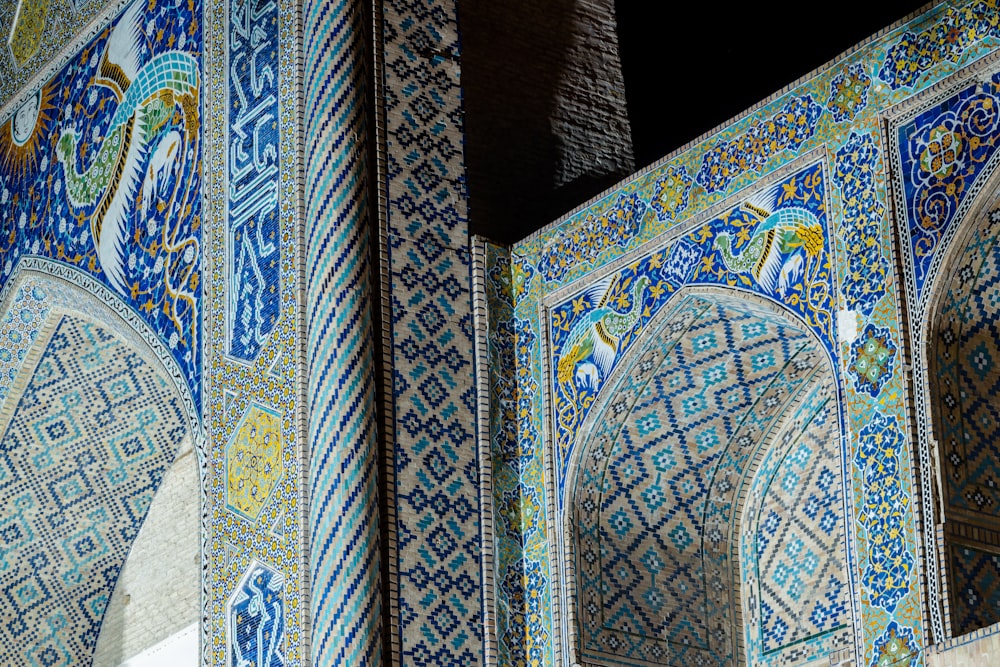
[721,389]
[958,419]
[87,376]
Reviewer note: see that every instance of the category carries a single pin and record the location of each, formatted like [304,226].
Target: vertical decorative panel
[254,255]
[432,468]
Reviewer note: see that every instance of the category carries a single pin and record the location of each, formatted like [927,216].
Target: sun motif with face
[23,135]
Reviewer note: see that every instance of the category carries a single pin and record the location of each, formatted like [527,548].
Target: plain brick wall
[545,112]
[980,652]
[158,591]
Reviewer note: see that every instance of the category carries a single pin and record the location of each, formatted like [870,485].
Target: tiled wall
[431,471]
[690,219]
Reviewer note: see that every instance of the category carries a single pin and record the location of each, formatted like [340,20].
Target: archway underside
[88,429]
[964,355]
[708,505]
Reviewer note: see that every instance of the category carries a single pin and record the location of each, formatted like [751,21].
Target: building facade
[266,400]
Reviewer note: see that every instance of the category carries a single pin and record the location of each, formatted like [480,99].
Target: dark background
[710,61]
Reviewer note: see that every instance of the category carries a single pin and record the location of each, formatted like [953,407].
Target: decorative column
[345,611]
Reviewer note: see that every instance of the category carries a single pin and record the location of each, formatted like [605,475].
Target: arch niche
[958,399]
[93,414]
[704,521]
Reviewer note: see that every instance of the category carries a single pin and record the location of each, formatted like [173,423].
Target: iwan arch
[265,399]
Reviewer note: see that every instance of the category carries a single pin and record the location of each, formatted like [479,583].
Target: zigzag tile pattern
[81,457]
[433,476]
[345,607]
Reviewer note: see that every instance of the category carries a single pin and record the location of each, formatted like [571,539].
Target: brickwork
[546,122]
[159,589]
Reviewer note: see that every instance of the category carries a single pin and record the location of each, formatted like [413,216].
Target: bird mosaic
[598,334]
[148,92]
[784,244]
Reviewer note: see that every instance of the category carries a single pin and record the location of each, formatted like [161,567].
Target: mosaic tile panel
[436,607]
[344,550]
[82,455]
[866,273]
[65,22]
[505,456]
[871,359]
[855,91]
[256,615]
[942,151]
[254,461]
[253,265]
[272,377]
[641,563]
[896,647]
[786,130]
[26,31]
[19,330]
[615,227]
[915,53]
[774,243]
[849,93]
[887,574]
[100,169]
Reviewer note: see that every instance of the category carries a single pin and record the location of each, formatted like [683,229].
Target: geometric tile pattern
[793,551]
[255,619]
[943,151]
[975,583]
[659,491]
[100,169]
[344,558]
[963,354]
[432,477]
[81,458]
[253,176]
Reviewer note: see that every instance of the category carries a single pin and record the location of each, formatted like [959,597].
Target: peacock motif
[148,92]
[785,243]
[598,334]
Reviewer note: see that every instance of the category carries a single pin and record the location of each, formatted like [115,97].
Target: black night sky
[691,66]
